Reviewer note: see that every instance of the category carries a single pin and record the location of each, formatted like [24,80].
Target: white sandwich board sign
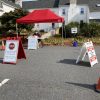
[11,51]
[32,42]
[88,49]
[74,30]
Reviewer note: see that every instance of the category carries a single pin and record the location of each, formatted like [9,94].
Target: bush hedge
[67,29]
[91,29]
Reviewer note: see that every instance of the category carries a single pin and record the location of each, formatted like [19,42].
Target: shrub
[94,28]
[84,30]
[90,30]
[67,29]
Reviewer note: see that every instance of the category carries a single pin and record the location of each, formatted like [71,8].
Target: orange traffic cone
[3,46]
[98,86]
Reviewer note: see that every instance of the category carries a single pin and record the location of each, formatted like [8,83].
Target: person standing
[40,42]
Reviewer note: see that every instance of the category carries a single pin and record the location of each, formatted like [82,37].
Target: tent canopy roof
[41,16]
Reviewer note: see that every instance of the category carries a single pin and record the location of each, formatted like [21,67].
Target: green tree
[8,20]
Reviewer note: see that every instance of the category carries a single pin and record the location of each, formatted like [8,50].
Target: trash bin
[75,43]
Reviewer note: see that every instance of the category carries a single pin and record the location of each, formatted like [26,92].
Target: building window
[82,11]
[63,12]
[53,25]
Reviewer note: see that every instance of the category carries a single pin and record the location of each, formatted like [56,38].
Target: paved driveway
[50,73]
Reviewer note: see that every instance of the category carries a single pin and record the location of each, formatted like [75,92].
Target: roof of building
[10,3]
[55,3]
[44,4]
[91,3]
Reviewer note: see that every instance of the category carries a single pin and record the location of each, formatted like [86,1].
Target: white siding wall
[71,14]
[75,15]
[94,15]
[6,8]
[85,16]
[57,11]
[65,16]
[19,2]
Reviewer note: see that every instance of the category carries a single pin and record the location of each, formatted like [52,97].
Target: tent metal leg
[62,34]
[17,29]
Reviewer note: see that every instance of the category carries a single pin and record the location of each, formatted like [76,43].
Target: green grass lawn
[58,40]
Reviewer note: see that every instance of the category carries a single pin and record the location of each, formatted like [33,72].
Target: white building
[71,10]
[7,6]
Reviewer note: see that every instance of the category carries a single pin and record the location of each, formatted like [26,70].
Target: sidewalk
[46,35]
[49,34]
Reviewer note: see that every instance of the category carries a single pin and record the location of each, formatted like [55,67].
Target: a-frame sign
[88,49]
[13,50]
[32,42]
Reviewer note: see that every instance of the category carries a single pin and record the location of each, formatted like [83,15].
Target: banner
[91,53]
[14,50]
[88,49]
[32,42]
[11,51]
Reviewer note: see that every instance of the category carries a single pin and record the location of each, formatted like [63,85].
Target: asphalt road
[50,73]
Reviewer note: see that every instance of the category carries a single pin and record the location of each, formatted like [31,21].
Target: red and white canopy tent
[40,16]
